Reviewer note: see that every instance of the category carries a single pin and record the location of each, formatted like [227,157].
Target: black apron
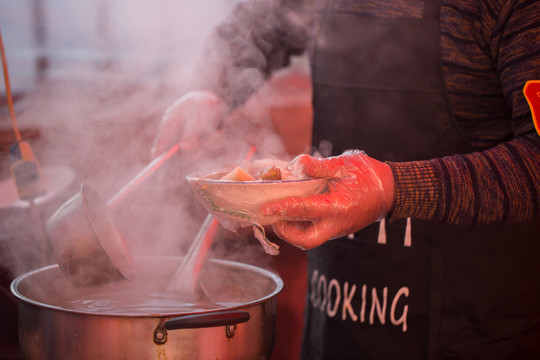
[408,289]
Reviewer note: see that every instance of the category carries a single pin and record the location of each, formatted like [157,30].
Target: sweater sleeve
[500,183]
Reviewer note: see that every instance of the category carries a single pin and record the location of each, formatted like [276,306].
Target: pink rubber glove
[189,119]
[360,192]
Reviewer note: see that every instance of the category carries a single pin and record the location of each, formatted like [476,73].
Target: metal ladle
[185,280]
[84,239]
[91,251]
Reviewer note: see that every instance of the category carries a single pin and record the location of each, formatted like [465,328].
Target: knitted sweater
[489,50]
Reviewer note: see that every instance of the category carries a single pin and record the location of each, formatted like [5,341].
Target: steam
[98,110]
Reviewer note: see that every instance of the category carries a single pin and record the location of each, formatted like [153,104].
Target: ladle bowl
[83,238]
[85,242]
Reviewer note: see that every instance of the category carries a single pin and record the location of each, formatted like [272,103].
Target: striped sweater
[489,49]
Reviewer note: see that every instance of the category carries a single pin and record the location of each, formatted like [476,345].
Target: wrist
[386,176]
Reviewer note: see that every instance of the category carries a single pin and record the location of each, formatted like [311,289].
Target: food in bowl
[235,195]
[239,174]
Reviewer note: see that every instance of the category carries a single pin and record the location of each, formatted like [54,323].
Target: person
[425,245]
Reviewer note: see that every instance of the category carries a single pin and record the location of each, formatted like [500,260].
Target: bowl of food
[235,195]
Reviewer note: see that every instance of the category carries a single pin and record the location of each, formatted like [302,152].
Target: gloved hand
[361,191]
[189,119]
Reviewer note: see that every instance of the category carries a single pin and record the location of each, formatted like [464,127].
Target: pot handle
[207,320]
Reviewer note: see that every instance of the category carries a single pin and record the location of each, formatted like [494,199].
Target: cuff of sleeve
[417,190]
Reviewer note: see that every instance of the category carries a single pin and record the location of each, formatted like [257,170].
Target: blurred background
[101,51]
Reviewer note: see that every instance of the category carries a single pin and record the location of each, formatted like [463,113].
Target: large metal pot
[237,322]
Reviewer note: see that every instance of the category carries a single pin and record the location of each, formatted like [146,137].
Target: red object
[532,93]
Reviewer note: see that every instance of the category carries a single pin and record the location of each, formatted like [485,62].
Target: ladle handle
[189,270]
[185,279]
[147,171]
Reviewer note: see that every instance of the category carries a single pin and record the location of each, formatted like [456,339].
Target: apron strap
[381,237]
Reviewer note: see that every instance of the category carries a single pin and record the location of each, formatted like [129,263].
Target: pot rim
[14,287]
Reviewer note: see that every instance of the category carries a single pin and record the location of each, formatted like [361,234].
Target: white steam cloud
[111,69]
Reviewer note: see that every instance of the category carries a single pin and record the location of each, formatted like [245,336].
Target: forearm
[499,185]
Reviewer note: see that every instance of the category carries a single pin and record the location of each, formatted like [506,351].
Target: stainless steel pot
[237,323]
